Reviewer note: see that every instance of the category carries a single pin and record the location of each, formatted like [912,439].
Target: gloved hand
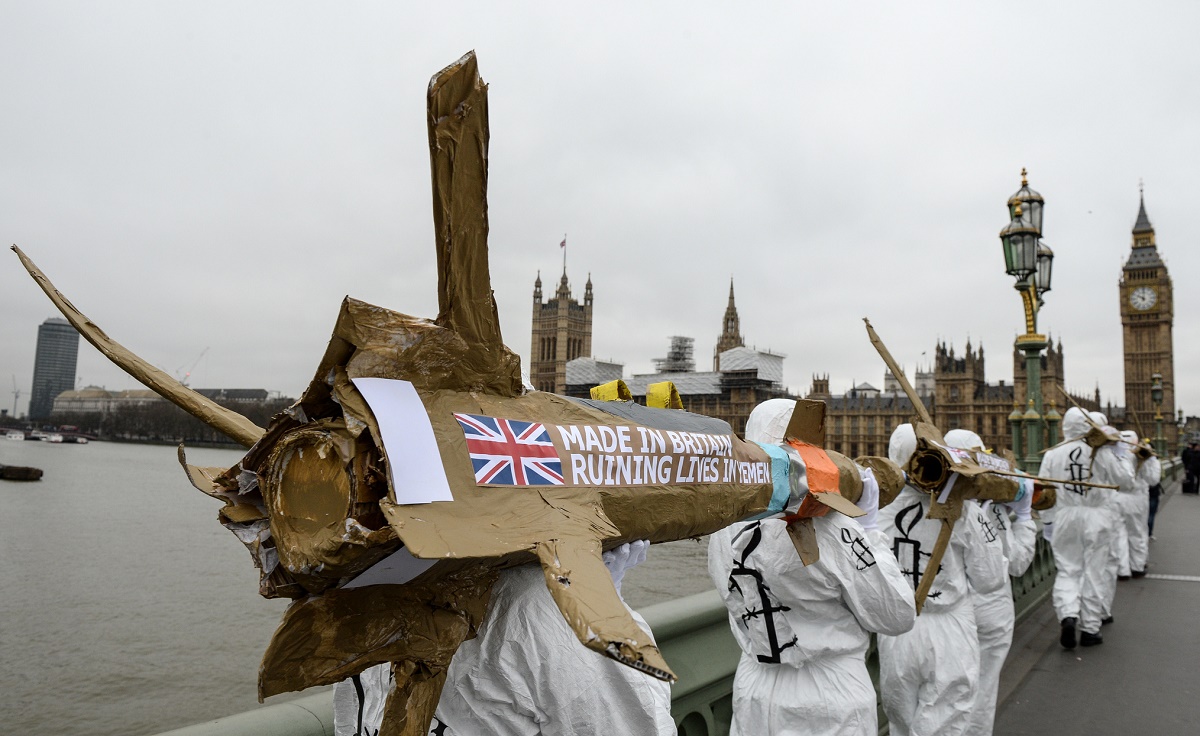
[1023,506]
[1048,532]
[869,500]
[624,558]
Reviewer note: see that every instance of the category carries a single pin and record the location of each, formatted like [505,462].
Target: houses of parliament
[860,421]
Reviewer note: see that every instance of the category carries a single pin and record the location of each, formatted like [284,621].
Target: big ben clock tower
[1147,316]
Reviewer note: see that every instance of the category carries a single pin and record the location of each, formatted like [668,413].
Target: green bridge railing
[693,634]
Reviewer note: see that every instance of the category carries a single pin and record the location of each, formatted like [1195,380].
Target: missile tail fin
[457,118]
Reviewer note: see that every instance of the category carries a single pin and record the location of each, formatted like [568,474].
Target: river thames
[128,609]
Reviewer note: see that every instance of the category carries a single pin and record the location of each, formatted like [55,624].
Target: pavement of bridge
[1145,677]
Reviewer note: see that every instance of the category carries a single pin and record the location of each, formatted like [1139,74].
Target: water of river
[125,608]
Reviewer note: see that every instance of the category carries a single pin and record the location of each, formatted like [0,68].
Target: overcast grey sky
[221,174]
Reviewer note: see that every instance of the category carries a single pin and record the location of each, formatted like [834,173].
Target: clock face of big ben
[1143,298]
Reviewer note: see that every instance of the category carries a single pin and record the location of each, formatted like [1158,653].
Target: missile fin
[583,590]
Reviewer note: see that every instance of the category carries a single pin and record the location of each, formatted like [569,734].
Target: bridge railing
[694,636]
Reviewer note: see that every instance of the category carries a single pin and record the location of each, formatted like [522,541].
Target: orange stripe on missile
[822,477]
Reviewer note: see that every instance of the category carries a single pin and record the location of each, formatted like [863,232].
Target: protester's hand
[869,501]
[624,558]
[1023,506]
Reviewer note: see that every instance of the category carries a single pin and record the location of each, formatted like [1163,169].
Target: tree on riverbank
[161,421]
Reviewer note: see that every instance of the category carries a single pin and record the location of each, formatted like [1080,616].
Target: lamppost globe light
[1020,241]
[1031,204]
[1045,262]
[1156,389]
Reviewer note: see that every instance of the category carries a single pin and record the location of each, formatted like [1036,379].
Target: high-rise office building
[53,365]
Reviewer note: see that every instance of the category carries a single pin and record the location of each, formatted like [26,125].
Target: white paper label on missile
[414,461]
[396,569]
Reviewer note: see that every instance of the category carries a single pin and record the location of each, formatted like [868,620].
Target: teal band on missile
[781,485]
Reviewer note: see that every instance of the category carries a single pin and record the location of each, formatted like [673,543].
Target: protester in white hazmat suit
[1081,531]
[929,675]
[995,617]
[1118,551]
[526,674]
[804,631]
[1135,507]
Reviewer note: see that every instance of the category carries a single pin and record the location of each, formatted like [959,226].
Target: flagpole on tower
[563,245]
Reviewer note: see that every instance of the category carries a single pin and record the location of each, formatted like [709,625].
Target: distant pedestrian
[1191,467]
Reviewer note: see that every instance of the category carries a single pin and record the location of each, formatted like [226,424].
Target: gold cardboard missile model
[415,466]
[951,476]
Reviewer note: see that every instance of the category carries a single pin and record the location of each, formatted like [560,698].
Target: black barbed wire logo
[1078,472]
[776,628]
[1000,515]
[989,532]
[908,550]
[863,556]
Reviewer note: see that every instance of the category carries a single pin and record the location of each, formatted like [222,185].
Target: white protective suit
[1118,551]
[1135,507]
[804,631]
[1082,523]
[929,675]
[995,617]
[526,674]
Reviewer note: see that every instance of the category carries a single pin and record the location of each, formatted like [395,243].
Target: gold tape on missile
[849,480]
[889,476]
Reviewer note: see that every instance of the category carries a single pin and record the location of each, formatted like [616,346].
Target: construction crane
[184,376]
[16,395]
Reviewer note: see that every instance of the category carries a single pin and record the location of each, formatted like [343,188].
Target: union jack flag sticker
[509,452]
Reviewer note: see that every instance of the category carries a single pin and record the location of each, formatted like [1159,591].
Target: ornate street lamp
[1182,426]
[1029,261]
[1156,396]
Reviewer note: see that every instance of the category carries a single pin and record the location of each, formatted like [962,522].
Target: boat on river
[14,434]
[17,472]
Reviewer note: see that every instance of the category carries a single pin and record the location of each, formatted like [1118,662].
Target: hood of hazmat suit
[768,421]
[524,674]
[1075,423]
[902,444]
[964,439]
[804,630]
